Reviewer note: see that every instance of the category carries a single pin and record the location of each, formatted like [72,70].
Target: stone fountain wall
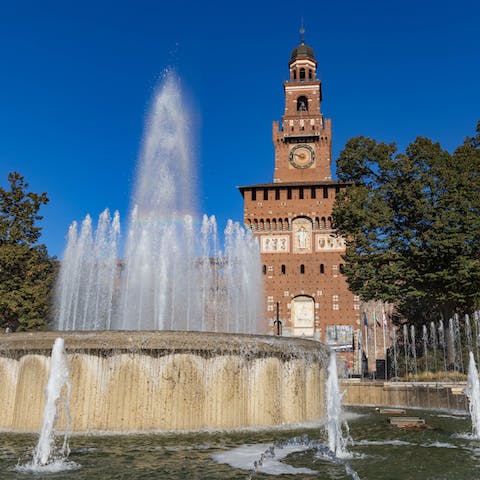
[430,395]
[147,381]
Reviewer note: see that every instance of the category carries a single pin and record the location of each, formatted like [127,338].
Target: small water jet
[473,393]
[337,441]
[47,458]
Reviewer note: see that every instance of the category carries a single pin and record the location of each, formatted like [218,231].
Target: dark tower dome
[302,51]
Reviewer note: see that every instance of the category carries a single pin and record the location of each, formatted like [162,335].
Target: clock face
[302,156]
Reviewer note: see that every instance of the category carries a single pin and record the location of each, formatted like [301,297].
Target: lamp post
[277,324]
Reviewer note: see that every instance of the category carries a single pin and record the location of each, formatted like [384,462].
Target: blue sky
[76,80]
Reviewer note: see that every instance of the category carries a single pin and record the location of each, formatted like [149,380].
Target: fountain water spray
[458,342]
[405,347]
[46,457]
[441,339]
[173,275]
[425,346]
[476,321]
[337,442]
[413,346]
[468,333]
[473,393]
[433,343]
[395,352]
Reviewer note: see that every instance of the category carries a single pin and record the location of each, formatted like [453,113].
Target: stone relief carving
[275,243]
[325,242]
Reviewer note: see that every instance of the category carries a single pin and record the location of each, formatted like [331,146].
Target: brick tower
[305,291]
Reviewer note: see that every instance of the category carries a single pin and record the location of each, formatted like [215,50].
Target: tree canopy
[26,270]
[412,225]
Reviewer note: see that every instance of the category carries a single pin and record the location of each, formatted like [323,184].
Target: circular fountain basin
[124,381]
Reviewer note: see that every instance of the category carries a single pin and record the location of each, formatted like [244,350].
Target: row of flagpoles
[364,348]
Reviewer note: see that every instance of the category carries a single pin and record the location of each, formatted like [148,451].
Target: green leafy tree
[412,225]
[26,271]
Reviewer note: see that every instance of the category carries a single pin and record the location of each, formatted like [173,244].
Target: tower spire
[302,33]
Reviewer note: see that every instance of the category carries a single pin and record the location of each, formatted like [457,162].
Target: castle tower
[303,145]
[305,291]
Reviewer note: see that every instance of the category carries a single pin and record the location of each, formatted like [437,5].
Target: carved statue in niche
[302,238]
[302,235]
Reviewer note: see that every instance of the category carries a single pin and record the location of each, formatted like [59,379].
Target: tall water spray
[473,393]
[442,340]
[337,441]
[173,275]
[433,342]
[413,346]
[425,346]
[405,347]
[395,352]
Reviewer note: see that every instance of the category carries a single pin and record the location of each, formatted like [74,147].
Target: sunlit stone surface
[147,381]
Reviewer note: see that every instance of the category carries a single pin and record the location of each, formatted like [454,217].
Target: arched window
[302,74]
[302,269]
[284,269]
[302,104]
[294,74]
[322,268]
[264,268]
[310,75]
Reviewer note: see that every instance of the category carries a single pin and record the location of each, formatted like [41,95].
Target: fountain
[163,339]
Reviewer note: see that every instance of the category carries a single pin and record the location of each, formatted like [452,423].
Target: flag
[375,319]
[365,321]
[384,319]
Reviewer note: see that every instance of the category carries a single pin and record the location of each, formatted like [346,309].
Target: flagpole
[375,339]
[365,324]
[360,352]
[384,327]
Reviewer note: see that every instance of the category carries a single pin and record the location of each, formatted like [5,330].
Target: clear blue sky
[76,79]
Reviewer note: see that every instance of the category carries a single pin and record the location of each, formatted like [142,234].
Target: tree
[412,223]
[26,271]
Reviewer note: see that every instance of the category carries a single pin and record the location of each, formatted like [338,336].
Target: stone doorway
[303,316]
